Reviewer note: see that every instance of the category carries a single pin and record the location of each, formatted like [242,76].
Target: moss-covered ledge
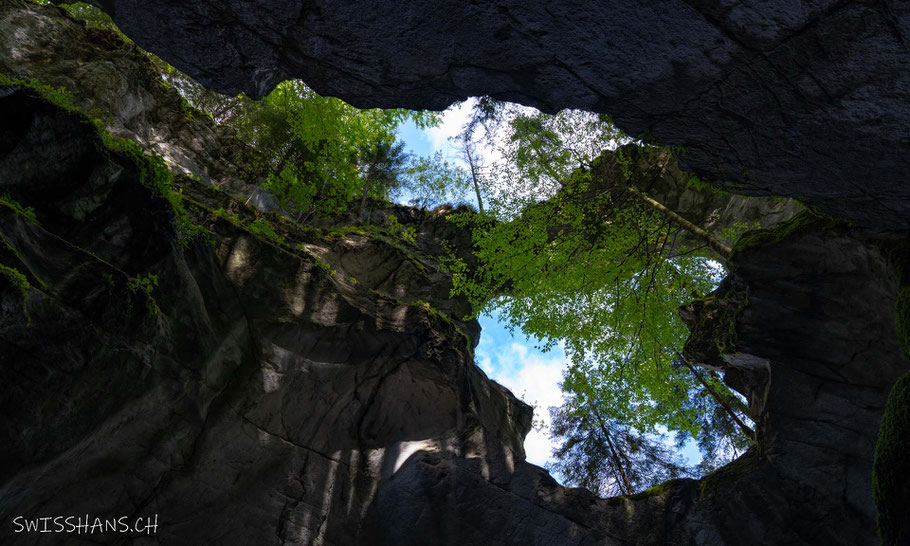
[805,220]
[891,469]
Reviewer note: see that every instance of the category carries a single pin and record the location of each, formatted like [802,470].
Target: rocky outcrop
[656,172]
[798,99]
[258,387]
[113,82]
[317,387]
[804,326]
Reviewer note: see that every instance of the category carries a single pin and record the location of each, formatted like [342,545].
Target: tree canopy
[572,252]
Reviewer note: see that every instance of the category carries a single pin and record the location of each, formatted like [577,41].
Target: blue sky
[512,361]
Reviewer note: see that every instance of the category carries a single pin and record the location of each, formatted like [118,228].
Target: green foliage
[263,229]
[408,234]
[891,471]
[16,279]
[603,289]
[322,154]
[325,267]
[26,212]
[571,256]
[145,284]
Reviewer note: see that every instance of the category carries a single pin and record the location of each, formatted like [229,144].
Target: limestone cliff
[262,385]
[253,382]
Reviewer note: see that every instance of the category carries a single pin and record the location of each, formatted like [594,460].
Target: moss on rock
[658,489]
[891,467]
[806,219]
[16,279]
[902,319]
[728,474]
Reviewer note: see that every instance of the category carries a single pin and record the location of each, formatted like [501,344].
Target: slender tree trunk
[617,462]
[717,397]
[363,199]
[681,222]
[467,153]
[367,185]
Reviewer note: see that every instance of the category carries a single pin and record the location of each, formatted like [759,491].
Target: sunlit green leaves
[579,261]
[429,181]
[323,153]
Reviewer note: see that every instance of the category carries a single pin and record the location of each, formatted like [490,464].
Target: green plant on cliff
[408,234]
[26,212]
[145,284]
[154,175]
[16,279]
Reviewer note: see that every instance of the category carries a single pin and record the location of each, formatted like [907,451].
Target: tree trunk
[617,462]
[681,222]
[719,399]
[367,185]
[467,153]
[363,199]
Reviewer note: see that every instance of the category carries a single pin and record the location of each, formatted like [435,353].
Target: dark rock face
[269,395]
[325,393]
[796,99]
[110,79]
[815,351]
[274,401]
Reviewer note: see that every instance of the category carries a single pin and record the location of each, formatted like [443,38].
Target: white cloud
[454,119]
[534,377]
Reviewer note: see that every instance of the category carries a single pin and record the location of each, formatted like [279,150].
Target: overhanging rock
[801,99]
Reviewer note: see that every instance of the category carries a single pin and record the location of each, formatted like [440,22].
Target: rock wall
[805,99]
[318,387]
[261,389]
[111,80]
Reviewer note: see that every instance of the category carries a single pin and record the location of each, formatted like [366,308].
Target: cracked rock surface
[326,393]
[267,396]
